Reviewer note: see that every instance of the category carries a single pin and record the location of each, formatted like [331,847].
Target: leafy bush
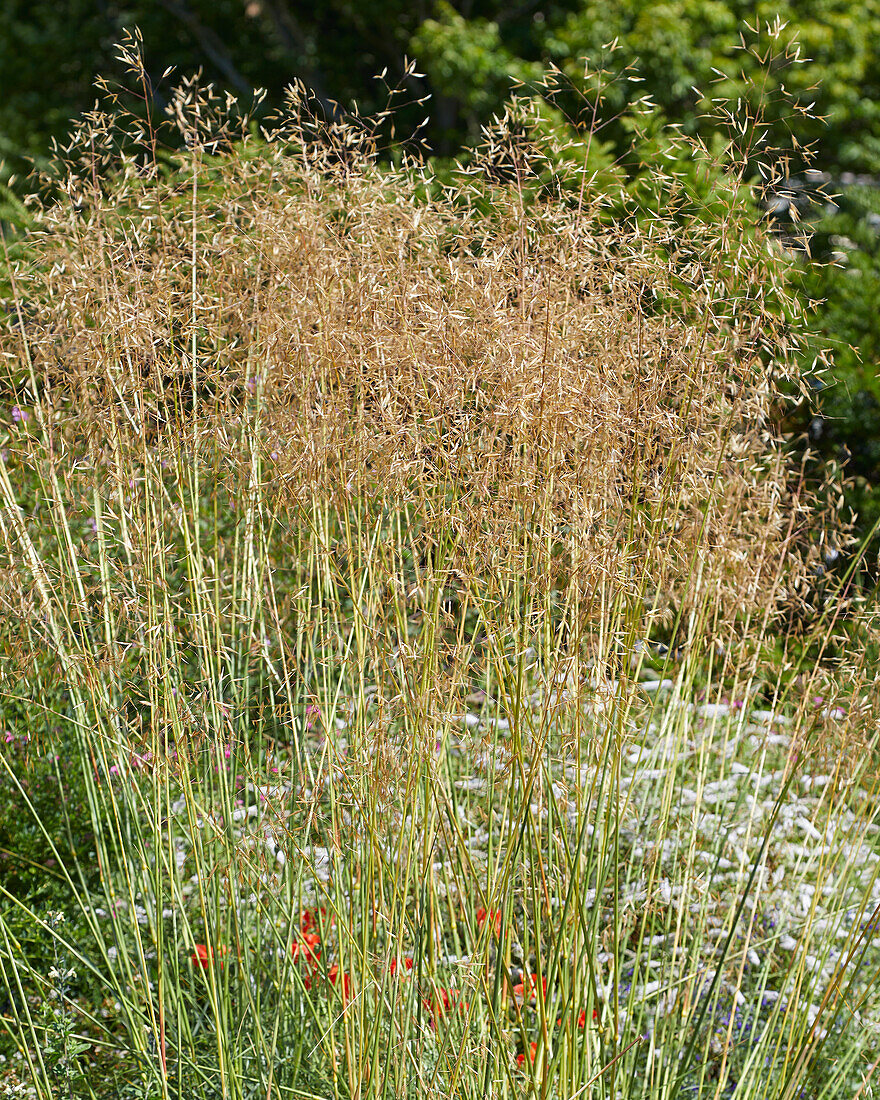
[843,276]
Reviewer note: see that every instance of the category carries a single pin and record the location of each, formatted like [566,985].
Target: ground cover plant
[392,568]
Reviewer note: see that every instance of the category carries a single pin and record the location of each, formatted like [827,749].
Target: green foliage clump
[843,278]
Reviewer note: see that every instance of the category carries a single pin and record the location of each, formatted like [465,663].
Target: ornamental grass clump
[402,557]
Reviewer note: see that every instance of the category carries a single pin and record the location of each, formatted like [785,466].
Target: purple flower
[19,414]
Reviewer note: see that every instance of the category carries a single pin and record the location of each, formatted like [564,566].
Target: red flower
[306,948]
[311,919]
[582,1019]
[447,1002]
[392,966]
[203,956]
[333,974]
[521,1058]
[528,989]
[493,915]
